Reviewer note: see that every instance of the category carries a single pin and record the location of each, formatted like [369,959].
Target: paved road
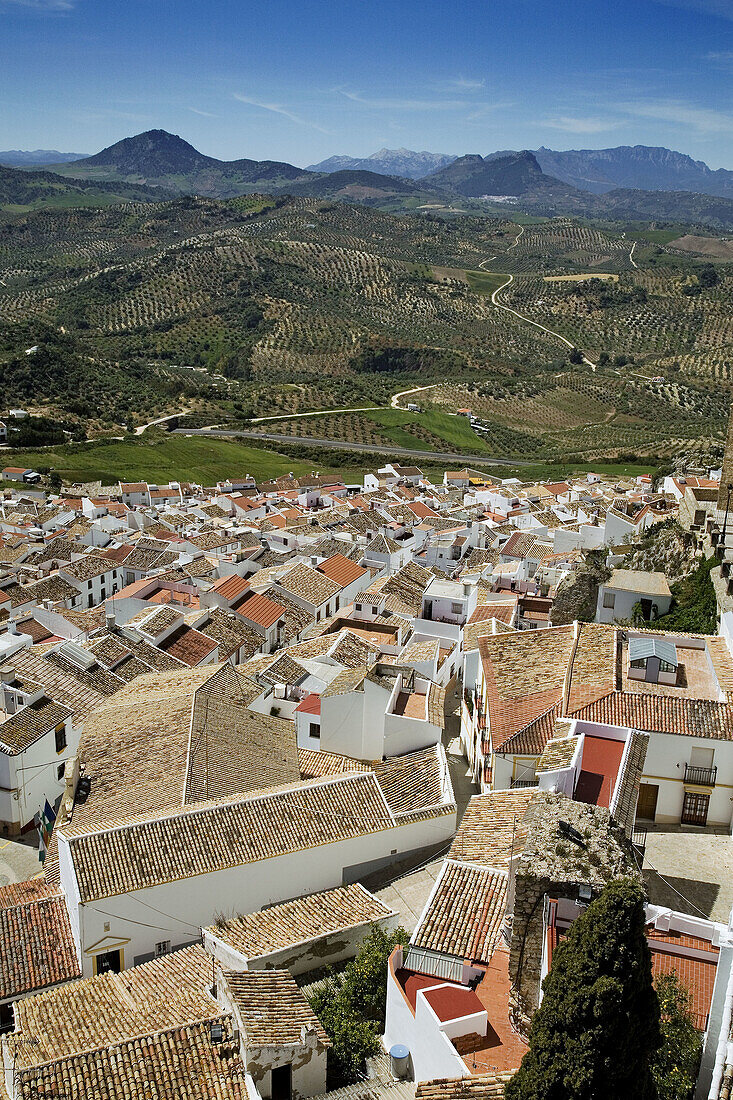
[19,859]
[341,445]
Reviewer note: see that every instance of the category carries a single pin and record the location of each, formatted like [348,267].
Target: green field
[206,461]
[453,429]
[183,458]
[485,282]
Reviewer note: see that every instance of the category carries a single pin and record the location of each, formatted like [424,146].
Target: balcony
[516,783]
[702,777]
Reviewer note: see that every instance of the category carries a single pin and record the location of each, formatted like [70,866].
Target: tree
[576,356]
[596,1031]
[678,1058]
[54,480]
[351,1006]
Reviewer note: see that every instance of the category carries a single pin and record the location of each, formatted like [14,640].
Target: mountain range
[388,162]
[641,167]
[25,158]
[163,161]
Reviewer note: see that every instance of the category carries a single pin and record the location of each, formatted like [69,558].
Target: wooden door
[646,806]
[695,808]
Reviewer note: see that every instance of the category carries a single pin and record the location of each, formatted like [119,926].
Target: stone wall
[552,865]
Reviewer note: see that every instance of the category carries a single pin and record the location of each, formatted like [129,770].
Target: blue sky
[298,81]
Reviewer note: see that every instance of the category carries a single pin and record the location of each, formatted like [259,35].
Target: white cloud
[38,5]
[278,110]
[398,104]
[704,120]
[724,57]
[574,125]
[204,114]
[467,85]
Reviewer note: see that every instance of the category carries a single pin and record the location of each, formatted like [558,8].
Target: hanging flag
[47,820]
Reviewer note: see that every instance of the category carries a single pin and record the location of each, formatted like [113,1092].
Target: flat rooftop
[501,1048]
[411,704]
[599,768]
[695,676]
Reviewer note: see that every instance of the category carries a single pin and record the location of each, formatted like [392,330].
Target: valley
[229,311]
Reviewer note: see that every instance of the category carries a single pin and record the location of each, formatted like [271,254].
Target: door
[646,807]
[281,1082]
[695,808]
[109,962]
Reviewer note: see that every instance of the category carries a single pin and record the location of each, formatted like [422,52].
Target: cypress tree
[595,1033]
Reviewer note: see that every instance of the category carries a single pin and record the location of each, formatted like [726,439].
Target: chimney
[12,629]
[7,674]
[109,615]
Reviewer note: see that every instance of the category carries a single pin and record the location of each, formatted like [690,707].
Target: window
[640,662]
[315,731]
[60,771]
[162,948]
[89,584]
[60,738]
[609,599]
[456,608]
[665,666]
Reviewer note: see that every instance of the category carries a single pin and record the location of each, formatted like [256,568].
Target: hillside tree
[597,1029]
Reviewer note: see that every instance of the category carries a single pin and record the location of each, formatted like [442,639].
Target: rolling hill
[161,159]
[22,190]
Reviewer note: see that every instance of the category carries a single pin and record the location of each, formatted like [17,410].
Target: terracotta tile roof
[188,645]
[354,651]
[98,1012]
[308,585]
[260,609]
[315,763]
[341,570]
[558,753]
[481,1086]
[196,840]
[414,781]
[634,580]
[465,912]
[592,665]
[524,676]
[25,726]
[69,686]
[36,946]
[310,705]
[294,922]
[231,634]
[19,893]
[172,1063]
[135,747]
[234,749]
[662,714]
[722,662]
[493,828]
[87,568]
[532,738]
[272,1008]
[230,587]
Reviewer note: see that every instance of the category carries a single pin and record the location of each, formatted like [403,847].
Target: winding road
[529,321]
